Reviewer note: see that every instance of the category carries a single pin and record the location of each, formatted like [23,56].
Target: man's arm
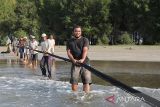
[84,54]
[36,47]
[71,56]
[85,50]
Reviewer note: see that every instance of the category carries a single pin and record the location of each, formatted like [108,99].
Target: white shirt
[45,46]
[27,44]
[34,45]
[51,46]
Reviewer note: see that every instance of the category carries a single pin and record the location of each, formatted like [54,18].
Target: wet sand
[114,53]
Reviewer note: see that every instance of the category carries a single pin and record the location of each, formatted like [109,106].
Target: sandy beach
[115,53]
[119,53]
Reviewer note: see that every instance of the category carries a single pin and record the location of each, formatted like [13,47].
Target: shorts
[34,57]
[77,71]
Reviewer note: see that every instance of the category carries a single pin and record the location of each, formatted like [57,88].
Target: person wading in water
[77,49]
[34,54]
[46,59]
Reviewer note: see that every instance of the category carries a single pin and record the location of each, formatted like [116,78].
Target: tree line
[103,21]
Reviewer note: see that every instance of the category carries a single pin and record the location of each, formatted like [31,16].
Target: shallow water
[21,86]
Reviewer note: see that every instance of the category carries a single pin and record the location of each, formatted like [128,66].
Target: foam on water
[15,91]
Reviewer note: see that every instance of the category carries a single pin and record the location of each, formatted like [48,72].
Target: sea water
[21,86]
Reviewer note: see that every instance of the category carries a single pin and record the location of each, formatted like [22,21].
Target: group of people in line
[26,48]
[77,50]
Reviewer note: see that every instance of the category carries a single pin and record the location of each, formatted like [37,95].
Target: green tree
[103,40]
[6,9]
[67,13]
[7,18]
[20,33]
[27,17]
[125,38]
[136,15]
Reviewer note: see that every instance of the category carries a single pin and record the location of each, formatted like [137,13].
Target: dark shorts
[21,49]
[76,72]
[34,57]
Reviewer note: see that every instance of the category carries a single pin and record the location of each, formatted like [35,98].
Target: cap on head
[25,37]
[33,37]
[43,35]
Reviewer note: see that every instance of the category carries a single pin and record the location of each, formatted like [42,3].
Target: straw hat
[25,37]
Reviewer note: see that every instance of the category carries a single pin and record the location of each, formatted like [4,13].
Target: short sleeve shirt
[45,46]
[34,45]
[51,45]
[76,46]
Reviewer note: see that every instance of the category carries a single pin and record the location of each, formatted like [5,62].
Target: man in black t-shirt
[77,49]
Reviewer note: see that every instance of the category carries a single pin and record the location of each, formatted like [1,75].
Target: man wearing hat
[21,48]
[34,54]
[46,59]
[26,51]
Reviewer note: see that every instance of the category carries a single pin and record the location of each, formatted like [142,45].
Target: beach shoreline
[114,53]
